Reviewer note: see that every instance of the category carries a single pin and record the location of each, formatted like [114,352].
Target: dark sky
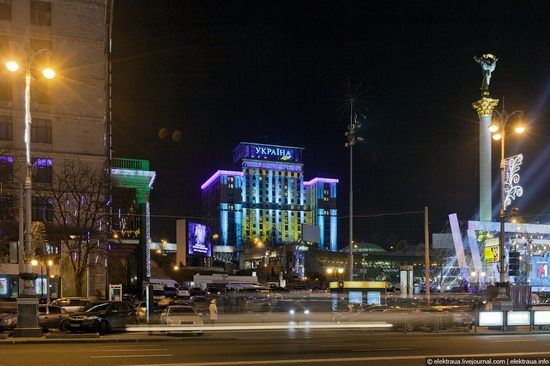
[222,72]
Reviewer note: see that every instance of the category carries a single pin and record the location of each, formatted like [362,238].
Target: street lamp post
[352,139]
[27,324]
[507,193]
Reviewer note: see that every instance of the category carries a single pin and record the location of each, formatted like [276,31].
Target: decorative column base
[27,318]
[502,301]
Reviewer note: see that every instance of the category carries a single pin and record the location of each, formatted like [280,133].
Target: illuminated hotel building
[268,199]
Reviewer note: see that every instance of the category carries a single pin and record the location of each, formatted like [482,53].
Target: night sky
[216,73]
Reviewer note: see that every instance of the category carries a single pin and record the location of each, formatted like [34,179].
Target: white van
[158,291]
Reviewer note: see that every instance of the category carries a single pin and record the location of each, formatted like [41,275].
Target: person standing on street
[213,311]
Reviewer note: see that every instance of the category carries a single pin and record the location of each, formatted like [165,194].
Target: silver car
[49,316]
[181,315]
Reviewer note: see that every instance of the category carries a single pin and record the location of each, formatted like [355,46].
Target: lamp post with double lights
[478,275]
[509,189]
[27,324]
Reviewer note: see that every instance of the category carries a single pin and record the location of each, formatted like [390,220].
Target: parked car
[212,291]
[299,288]
[170,291]
[278,289]
[183,292]
[181,315]
[200,302]
[258,305]
[49,316]
[104,316]
[195,291]
[202,312]
[71,304]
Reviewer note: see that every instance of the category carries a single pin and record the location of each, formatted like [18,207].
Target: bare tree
[76,197]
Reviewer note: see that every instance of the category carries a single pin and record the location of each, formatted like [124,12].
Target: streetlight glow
[12,66]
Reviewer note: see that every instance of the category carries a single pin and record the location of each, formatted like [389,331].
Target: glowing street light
[508,189]
[29,57]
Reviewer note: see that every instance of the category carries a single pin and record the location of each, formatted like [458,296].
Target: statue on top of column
[488,63]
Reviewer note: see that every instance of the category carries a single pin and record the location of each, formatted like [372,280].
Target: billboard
[199,239]
[311,233]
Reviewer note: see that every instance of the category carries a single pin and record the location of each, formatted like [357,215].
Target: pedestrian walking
[213,311]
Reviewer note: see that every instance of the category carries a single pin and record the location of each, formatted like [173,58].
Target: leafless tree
[76,197]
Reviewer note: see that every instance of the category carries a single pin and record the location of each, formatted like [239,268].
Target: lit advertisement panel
[199,240]
[490,318]
[3,286]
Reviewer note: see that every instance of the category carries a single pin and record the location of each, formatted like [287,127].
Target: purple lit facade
[267,198]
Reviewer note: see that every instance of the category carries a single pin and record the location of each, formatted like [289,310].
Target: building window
[41,13]
[42,170]
[6,168]
[41,131]
[6,128]
[6,89]
[42,209]
[6,207]
[5,10]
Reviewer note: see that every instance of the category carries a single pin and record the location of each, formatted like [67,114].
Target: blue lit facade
[266,197]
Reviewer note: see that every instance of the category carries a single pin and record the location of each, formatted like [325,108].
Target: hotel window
[42,209]
[43,170]
[41,131]
[6,168]
[6,207]
[6,128]
[41,13]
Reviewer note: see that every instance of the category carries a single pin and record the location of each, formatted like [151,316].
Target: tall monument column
[484,108]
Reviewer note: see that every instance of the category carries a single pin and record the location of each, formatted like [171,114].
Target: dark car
[257,305]
[278,289]
[170,292]
[49,316]
[199,302]
[212,291]
[195,291]
[103,316]
[289,306]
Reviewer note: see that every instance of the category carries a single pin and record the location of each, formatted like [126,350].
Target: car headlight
[92,317]
[306,311]
[291,312]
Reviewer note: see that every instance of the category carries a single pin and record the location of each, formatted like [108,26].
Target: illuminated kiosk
[349,295]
